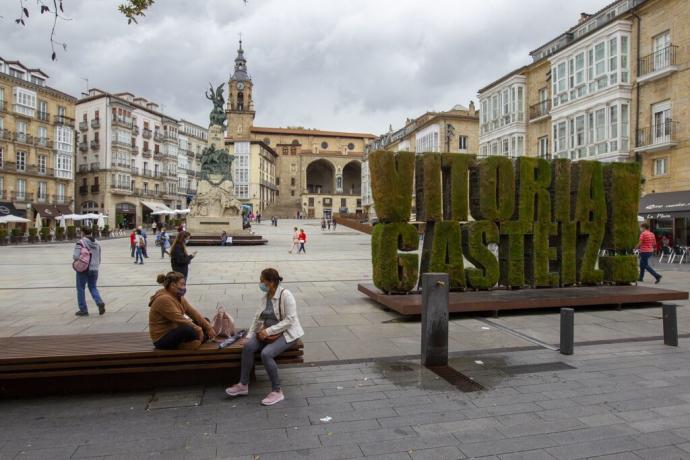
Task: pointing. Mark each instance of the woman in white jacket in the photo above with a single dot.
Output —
(274, 329)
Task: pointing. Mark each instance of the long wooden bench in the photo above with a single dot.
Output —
(113, 361)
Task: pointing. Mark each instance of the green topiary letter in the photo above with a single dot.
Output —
(391, 184)
(394, 272)
(456, 169)
(446, 253)
(492, 189)
(476, 236)
(512, 252)
(590, 214)
(428, 187)
(534, 180)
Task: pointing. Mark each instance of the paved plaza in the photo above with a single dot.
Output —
(614, 402)
(37, 297)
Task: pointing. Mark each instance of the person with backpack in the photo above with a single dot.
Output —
(139, 243)
(142, 232)
(274, 330)
(302, 239)
(164, 241)
(86, 260)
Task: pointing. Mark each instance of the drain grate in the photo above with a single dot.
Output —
(536, 368)
(457, 379)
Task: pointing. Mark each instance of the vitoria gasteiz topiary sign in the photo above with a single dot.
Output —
(549, 220)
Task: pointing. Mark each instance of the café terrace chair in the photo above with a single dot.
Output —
(680, 252)
(666, 252)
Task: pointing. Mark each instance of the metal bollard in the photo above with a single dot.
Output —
(670, 325)
(567, 331)
(435, 319)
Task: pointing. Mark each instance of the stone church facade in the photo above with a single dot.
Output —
(283, 171)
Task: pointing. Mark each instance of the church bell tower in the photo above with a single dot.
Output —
(240, 106)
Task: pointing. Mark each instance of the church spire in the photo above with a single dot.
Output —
(240, 73)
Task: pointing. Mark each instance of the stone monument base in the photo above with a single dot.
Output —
(214, 226)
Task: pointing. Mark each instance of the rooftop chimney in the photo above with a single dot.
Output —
(472, 111)
(584, 17)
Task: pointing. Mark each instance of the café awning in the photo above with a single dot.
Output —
(7, 208)
(665, 205)
(46, 210)
(156, 206)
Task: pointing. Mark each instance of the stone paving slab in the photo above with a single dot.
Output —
(385, 409)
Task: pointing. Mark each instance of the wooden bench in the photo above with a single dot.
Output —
(214, 240)
(113, 361)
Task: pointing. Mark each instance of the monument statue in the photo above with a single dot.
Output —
(217, 116)
(214, 208)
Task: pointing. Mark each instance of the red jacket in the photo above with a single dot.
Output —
(303, 236)
(132, 238)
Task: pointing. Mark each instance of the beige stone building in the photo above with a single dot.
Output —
(36, 145)
(614, 87)
(129, 161)
(283, 171)
(454, 131)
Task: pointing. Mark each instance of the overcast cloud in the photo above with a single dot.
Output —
(355, 65)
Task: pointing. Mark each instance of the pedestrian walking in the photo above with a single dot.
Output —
(302, 240)
(275, 328)
(334, 224)
(143, 249)
(258, 218)
(140, 243)
(295, 240)
(179, 257)
(133, 241)
(154, 226)
(164, 241)
(646, 247)
(87, 260)
(329, 223)
(323, 224)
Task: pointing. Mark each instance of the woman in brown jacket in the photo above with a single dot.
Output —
(173, 322)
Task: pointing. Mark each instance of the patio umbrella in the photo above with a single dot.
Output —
(101, 222)
(38, 221)
(8, 219)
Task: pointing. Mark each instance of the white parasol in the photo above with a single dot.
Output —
(8, 219)
(38, 221)
(101, 221)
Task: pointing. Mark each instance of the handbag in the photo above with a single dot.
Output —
(274, 337)
(223, 325)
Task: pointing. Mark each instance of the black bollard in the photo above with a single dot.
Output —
(670, 325)
(567, 331)
(435, 319)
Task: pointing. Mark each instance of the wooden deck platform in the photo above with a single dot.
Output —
(115, 361)
(524, 299)
(238, 240)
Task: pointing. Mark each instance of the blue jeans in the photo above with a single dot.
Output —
(89, 278)
(138, 252)
(644, 265)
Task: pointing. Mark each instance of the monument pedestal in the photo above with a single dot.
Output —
(214, 226)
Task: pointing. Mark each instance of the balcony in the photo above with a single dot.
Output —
(121, 165)
(539, 110)
(95, 144)
(83, 189)
(83, 168)
(121, 189)
(170, 137)
(94, 167)
(96, 123)
(95, 188)
(123, 122)
(43, 142)
(5, 135)
(147, 173)
(658, 64)
(146, 133)
(658, 137)
(43, 116)
(63, 120)
(21, 196)
(3, 106)
(121, 144)
(158, 136)
(83, 126)
(133, 170)
(83, 147)
(23, 138)
(146, 153)
(135, 130)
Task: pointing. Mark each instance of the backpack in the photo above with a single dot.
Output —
(223, 324)
(81, 265)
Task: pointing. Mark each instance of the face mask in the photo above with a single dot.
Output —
(263, 287)
(181, 292)
(186, 241)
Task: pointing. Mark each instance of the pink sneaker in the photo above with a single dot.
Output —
(274, 397)
(237, 390)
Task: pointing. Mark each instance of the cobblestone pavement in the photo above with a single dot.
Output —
(615, 401)
(37, 297)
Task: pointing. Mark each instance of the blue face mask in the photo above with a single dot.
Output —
(263, 287)
(181, 292)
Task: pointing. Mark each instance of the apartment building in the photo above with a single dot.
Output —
(614, 87)
(193, 139)
(128, 157)
(454, 131)
(36, 145)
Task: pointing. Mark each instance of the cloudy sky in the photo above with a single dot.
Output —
(355, 65)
